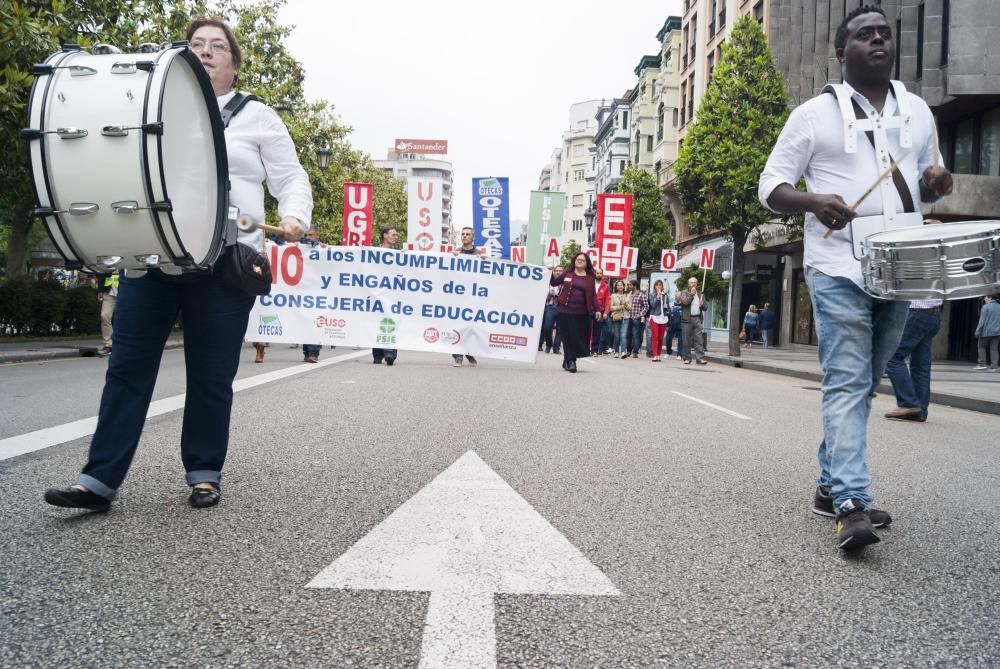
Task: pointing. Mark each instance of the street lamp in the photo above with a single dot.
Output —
(323, 152)
(588, 215)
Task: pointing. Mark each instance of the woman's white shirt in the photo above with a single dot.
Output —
(260, 149)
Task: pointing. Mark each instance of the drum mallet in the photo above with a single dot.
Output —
(247, 224)
(889, 170)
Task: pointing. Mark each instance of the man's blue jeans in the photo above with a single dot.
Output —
(913, 385)
(635, 334)
(857, 336)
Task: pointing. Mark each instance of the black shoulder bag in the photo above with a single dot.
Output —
(244, 268)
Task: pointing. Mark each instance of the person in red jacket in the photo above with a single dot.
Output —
(599, 327)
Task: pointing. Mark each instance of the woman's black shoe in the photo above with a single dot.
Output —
(202, 498)
(73, 498)
(571, 366)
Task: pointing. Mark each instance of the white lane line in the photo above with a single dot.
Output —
(714, 406)
(60, 434)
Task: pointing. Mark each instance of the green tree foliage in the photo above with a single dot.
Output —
(568, 253)
(711, 284)
(737, 124)
(30, 30)
(652, 230)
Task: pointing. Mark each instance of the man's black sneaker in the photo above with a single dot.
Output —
(854, 528)
(823, 506)
(73, 498)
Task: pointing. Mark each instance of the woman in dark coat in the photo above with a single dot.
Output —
(576, 303)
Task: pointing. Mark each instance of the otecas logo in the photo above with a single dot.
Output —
(508, 340)
(327, 322)
(432, 335)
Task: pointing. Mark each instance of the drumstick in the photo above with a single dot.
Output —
(889, 170)
(247, 224)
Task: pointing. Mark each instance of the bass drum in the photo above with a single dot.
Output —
(128, 159)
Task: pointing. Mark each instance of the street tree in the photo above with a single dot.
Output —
(737, 124)
(652, 230)
(570, 249)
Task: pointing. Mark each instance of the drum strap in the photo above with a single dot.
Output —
(897, 176)
(235, 104)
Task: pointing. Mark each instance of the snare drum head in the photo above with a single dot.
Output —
(944, 231)
(189, 160)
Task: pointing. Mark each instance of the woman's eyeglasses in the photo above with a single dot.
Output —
(216, 45)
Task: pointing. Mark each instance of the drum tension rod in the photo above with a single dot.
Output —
(29, 134)
(122, 130)
(43, 69)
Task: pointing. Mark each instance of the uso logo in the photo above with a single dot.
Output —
(508, 340)
(431, 335)
(327, 322)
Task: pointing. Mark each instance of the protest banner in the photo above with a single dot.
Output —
(424, 212)
(545, 214)
(491, 215)
(358, 200)
(368, 296)
(614, 232)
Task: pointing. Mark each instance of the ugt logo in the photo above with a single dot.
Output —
(386, 331)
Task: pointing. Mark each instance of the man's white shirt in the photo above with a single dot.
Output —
(811, 145)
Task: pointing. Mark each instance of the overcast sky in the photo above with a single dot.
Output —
(495, 80)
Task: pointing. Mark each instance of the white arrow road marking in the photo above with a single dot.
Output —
(714, 406)
(59, 434)
(464, 537)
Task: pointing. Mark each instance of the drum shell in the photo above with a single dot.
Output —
(177, 179)
(946, 266)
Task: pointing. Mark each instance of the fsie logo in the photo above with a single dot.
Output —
(386, 331)
(269, 326)
(490, 187)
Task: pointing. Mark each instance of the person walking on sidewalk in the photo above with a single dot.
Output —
(912, 385)
(659, 317)
(577, 306)
(637, 312)
(751, 321)
(107, 295)
(824, 141)
(767, 323)
(468, 247)
(988, 333)
(389, 238)
(692, 303)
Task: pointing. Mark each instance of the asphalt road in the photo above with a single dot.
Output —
(697, 514)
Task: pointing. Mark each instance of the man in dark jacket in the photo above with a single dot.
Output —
(766, 323)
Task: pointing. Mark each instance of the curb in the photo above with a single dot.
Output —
(63, 353)
(944, 399)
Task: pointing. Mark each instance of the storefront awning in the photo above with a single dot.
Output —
(693, 257)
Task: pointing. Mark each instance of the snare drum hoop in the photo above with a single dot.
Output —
(153, 146)
(935, 235)
(38, 167)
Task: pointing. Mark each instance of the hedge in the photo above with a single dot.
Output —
(30, 307)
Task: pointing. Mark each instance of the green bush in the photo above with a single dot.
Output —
(83, 311)
(48, 302)
(15, 305)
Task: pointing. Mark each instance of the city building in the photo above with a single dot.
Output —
(667, 146)
(611, 143)
(404, 165)
(643, 102)
(575, 165)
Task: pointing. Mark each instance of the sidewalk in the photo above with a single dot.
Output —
(953, 384)
(31, 350)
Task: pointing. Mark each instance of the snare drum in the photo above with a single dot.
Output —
(947, 261)
(128, 159)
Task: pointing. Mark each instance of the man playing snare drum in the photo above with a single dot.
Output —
(841, 141)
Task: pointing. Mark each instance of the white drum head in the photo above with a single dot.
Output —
(937, 231)
(188, 154)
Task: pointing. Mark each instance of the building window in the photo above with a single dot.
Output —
(945, 19)
(722, 18)
(920, 41)
(578, 200)
(624, 120)
(711, 21)
(649, 142)
(989, 151)
(965, 135)
(621, 167)
(694, 36)
(758, 12)
(675, 118)
(659, 122)
(577, 224)
(578, 175)
(711, 64)
(578, 149)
